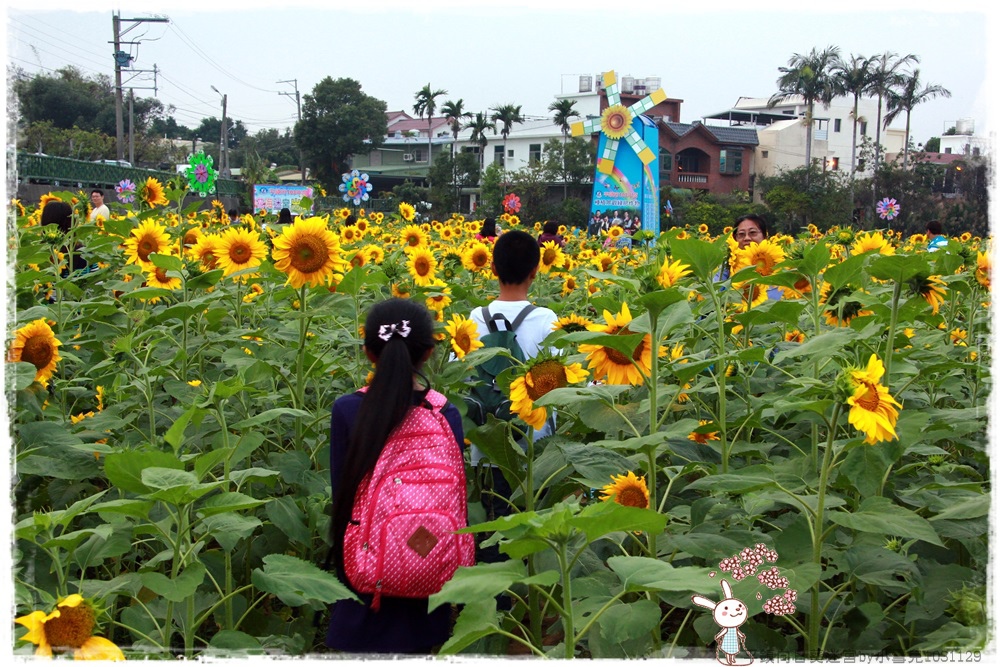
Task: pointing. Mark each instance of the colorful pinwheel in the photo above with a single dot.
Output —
(511, 203)
(126, 191)
(355, 187)
(887, 209)
(201, 174)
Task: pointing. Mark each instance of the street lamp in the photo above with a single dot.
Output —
(223, 143)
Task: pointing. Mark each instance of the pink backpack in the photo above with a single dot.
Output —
(401, 539)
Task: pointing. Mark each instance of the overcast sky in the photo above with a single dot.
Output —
(488, 53)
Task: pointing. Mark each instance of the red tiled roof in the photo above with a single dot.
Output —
(940, 158)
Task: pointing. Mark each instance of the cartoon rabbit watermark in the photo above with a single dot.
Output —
(729, 614)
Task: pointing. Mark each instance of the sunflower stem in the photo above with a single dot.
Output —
(300, 380)
(814, 613)
(893, 320)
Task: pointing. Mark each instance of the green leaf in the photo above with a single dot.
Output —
(270, 415)
(175, 486)
(971, 508)
(477, 619)
(624, 343)
(825, 345)
(746, 479)
(599, 519)
(205, 280)
(624, 622)
(880, 515)
(127, 506)
(147, 293)
(69, 541)
(358, 278)
(167, 262)
(639, 573)
(289, 519)
(477, 583)
(179, 588)
(229, 528)
(297, 582)
(175, 434)
(844, 272)
(234, 641)
(24, 374)
(124, 469)
(228, 501)
(864, 468)
(704, 258)
(898, 268)
(815, 260)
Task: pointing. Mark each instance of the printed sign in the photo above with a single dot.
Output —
(273, 198)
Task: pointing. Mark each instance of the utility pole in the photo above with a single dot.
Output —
(123, 59)
(223, 139)
(131, 131)
(298, 105)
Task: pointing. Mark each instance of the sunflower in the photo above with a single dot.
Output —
(840, 312)
(422, 266)
(671, 273)
(240, 249)
(158, 278)
(308, 252)
(255, 291)
(931, 288)
(350, 235)
(464, 335)
(544, 375)
(413, 236)
(69, 626)
(794, 336)
(873, 409)
(872, 241)
(374, 254)
(764, 255)
(152, 192)
(610, 363)
(627, 490)
(192, 236)
(569, 284)
(703, 437)
(983, 269)
(614, 233)
(604, 262)
(753, 296)
(477, 257)
(551, 255)
(148, 238)
(572, 323)
(406, 211)
(206, 251)
(441, 296)
(35, 343)
(801, 287)
(958, 337)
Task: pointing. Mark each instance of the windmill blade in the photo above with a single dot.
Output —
(606, 160)
(639, 146)
(648, 102)
(611, 88)
(588, 126)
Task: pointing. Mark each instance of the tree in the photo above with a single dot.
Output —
(885, 76)
(907, 96)
(506, 115)
(852, 77)
(426, 104)
(479, 125)
(448, 176)
(811, 77)
(338, 121)
(933, 145)
(563, 111)
(454, 112)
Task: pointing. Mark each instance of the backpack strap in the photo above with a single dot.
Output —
(522, 315)
(492, 320)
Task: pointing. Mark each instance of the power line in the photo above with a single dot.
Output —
(38, 35)
(198, 50)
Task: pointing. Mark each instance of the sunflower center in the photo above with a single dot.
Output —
(38, 351)
(144, 247)
(209, 260)
(309, 255)
(631, 496)
(239, 252)
(413, 240)
(545, 377)
(870, 400)
(73, 627)
(463, 340)
(422, 267)
(549, 256)
(161, 275)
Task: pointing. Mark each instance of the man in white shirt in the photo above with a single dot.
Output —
(100, 210)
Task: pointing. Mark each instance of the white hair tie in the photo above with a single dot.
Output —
(402, 329)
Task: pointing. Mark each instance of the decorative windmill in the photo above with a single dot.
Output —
(616, 122)
(625, 181)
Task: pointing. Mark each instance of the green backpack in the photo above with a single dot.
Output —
(486, 397)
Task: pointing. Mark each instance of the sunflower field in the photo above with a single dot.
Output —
(812, 430)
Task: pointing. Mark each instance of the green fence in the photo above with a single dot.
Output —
(67, 172)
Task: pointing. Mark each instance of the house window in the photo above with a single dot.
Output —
(763, 154)
(534, 154)
(420, 155)
(498, 154)
(947, 150)
(833, 163)
(836, 125)
(864, 128)
(666, 161)
(730, 161)
(975, 152)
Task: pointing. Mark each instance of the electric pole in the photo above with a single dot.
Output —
(123, 59)
(298, 105)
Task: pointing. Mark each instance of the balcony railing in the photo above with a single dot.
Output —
(689, 178)
(80, 173)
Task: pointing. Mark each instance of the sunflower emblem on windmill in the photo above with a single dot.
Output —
(616, 124)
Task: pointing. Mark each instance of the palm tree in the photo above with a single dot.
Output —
(808, 76)
(852, 77)
(506, 115)
(563, 111)
(907, 96)
(425, 104)
(886, 76)
(479, 125)
(454, 112)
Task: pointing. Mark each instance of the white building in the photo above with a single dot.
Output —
(782, 135)
(964, 141)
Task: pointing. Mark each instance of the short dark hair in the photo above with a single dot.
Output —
(515, 256)
(233, 212)
(97, 191)
(57, 213)
(284, 216)
(350, 220)
(550, 227)
(755, 219)
(489, 227)
(934, 227)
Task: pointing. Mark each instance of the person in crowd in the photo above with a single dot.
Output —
(100, 209)
(748, 229)
(935, 238)
(488, 230)
(399, 339)
(284, 217)
(550, 232)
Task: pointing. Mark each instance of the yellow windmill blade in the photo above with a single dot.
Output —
(611, 88)
(606, 160)
(648, 102)
(639, 146)
(582, 127)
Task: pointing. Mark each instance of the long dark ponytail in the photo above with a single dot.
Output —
(398, 333)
